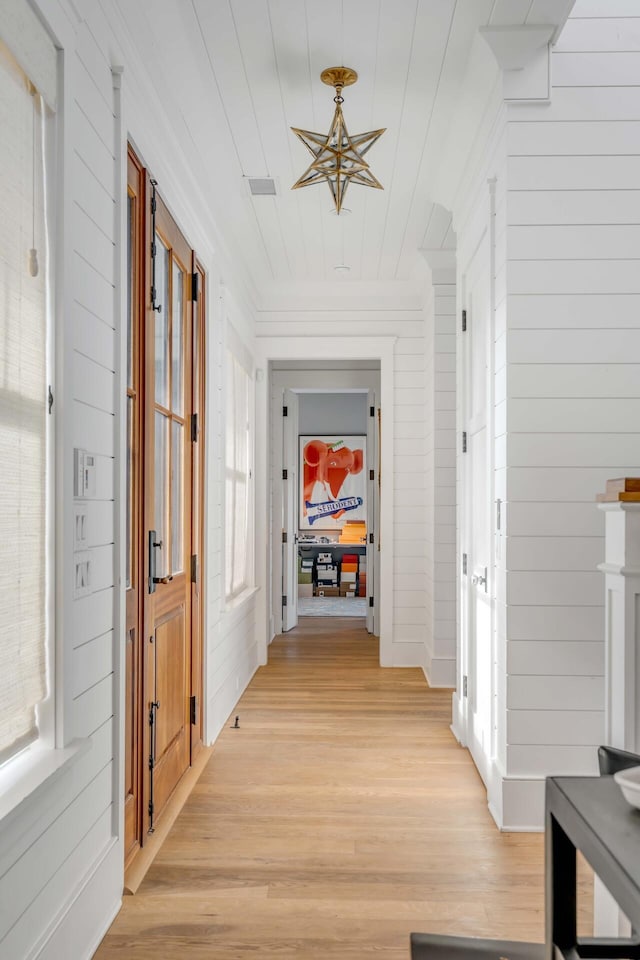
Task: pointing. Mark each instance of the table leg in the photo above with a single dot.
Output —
(560, 889)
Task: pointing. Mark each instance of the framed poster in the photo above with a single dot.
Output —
(332, 481)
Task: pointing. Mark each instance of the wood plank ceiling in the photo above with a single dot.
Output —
(235, 75)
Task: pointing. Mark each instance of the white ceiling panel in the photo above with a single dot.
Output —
(235, 75)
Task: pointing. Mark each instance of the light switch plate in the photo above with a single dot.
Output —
(80, 527)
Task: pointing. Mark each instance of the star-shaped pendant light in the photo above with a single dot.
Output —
(338, 157)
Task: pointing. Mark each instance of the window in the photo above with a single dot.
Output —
(25, 432)
(238, 499)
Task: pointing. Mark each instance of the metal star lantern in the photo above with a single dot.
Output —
(338, 158)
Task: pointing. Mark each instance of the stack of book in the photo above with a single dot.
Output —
(326, 575)
(305, 577)
(362, 578)
(349, 575)
(354, 531)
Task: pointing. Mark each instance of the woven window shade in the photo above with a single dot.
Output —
(23, 456)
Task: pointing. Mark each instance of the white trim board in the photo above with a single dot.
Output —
(325, 348)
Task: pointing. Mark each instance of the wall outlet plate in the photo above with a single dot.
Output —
(82, 564)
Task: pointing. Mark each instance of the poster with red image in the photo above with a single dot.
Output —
(332, 481)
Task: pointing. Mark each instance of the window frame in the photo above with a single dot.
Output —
(235, 352)
(21, 756)
(32, 778)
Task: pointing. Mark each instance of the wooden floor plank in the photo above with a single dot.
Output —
(339, 817)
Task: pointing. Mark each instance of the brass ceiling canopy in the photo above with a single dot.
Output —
(338, 157)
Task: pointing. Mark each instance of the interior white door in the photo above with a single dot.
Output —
(477, 467)
(290, 495)
(372, 488)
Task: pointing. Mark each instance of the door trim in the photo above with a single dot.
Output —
(323, 348)
(195, 530)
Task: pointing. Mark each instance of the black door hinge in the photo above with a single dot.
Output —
(464, 686)
(464, 563)
(194, 427)
(464, 321)
(370, 601)
(194, 568)
(284, 600)
(284, 536)
(195, 285)
(285, 474)
(372, 411)
(371, 538)
(464, 441)
(372, 475)
(285, 411)
(193, 703)
(50, 399)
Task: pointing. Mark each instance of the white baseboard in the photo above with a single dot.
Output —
(405, 653)
(457, 719)
(440, 671)
(515, 803)
(80, 926)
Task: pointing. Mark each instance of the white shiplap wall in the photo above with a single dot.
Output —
(573, 378)
(72, 847)
(231, 636)
(440, 387)
(411, 510)
(442, 669)
(61, 862)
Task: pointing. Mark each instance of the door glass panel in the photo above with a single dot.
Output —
(162, 324)
(177, 351)
(162, 492)
(130, 287)
(177, 498)
(129, 489)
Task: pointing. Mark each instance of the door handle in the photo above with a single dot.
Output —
(153, 546)
(480, 580)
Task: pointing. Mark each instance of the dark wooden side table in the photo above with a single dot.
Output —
(591, 815)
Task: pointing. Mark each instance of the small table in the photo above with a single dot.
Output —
(591, 815)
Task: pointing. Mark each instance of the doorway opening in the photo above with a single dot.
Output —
(325, 438)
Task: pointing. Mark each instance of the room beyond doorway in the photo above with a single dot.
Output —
(325, 421)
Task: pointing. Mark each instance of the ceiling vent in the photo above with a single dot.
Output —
(262, 186)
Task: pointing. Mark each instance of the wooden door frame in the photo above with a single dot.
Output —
(135, 170)
(198, 538)
(145, 332)
(158, 604)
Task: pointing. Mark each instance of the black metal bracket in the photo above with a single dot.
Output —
(154, 306)
(154, 706)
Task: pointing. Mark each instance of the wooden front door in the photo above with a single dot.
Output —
(164, 610)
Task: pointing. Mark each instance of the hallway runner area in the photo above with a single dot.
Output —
(332, 607)
(340, 816)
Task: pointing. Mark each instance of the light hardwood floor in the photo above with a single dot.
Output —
(341, 816)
